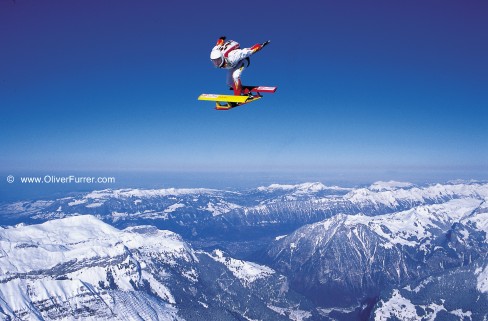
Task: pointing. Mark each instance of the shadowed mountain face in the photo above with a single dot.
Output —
(347, 258)
(455, 294)
(312, 252)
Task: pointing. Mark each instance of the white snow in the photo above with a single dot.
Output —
(118, 215)
(274, 187)
(77, 238)
(397, 306)
(77, 202)
(304, 188)
(299, 315)
(173, 207)
(389, 186)
(416, 194)
(482, 279)
(146, 193)
(462, 315)
(160, 289)
(401, 308)
(95, 204)
(411, 226)
(220, 207)
(420, 286)
(293, 314)
(480, 220)
(130, 306)
(203, 304)
(246, 272)
(77, 245)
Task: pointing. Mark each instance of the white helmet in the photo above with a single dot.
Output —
(217, 58)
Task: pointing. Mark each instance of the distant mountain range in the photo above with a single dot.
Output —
(280, 252)
(202, 213)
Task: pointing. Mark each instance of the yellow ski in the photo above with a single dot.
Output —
(223, 98)
(226, 102)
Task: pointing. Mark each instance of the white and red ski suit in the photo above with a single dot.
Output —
(235, 60)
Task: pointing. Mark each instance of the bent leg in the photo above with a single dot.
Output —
(230, 80)
(236, 76)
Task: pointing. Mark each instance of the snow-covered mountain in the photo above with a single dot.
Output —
(82, 268)
(351, 253)
(456, 294)
(203, 213)
(346, 261)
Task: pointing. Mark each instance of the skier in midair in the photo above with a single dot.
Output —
(229, 55)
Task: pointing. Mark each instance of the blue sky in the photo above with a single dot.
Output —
(393, 86)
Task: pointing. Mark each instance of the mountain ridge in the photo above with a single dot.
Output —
(200, 213)
(291, 252)
(80, 267)
(356, 257)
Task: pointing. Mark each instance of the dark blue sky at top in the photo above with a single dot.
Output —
(363, 85)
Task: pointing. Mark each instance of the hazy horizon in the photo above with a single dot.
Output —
(227, 180)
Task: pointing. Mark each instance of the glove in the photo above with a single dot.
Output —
(256, 47)
(221, 40)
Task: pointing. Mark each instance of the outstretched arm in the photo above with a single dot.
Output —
(247, 52)
(259, 46)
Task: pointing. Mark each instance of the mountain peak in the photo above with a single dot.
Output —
(70, 229)
(310, 187)
(146, 193)
(77, 239)
(381, 186)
